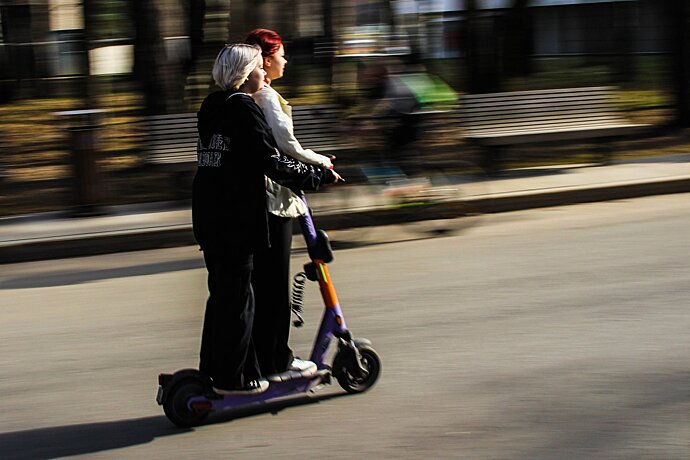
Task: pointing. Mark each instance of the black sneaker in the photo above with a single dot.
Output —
(253, 387)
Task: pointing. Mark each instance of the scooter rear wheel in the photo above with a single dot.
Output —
(176, 408)
(353, 380)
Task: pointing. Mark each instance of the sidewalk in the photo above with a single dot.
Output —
(156, 225)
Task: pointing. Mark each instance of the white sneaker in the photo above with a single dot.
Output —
(307, 368)
(298, 368)
(253, 387)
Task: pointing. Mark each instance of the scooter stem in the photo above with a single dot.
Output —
(333, 321)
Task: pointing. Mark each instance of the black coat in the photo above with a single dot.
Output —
(235, 150)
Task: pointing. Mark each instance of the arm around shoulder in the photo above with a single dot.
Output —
(283, 169)
(283, 130)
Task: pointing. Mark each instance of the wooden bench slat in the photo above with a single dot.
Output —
(536, 98)
(537, 121)
(174, 134)
(546, 118)
(545, 128)
(540, 114)
(533, 93)
(172, 151)
(176, 154)
(563, 106)
(519, 123)
(558, 135)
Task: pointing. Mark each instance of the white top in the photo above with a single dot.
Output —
(281, 201)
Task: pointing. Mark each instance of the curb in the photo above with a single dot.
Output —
(181, 235)
(587, 194)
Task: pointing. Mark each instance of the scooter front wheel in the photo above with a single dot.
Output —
(176, 407)
(356, 380)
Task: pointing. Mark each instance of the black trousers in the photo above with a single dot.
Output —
(271, 283)
(227, 352)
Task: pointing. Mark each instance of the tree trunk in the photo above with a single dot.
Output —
(481, 51)
(88, 89)
(679, 15)
(244, 17)
(19, 62)
(328, 40)
(196, 11)
(148, 54)
(517, 41)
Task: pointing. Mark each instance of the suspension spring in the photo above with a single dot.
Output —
(297, 301)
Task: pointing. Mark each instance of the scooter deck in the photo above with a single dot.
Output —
(276, 390)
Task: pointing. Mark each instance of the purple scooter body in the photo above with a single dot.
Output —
(187, 396)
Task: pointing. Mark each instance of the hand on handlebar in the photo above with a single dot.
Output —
(337, 177)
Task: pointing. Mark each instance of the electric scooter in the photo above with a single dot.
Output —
(187, 396)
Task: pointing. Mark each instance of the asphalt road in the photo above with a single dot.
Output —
(554, 333)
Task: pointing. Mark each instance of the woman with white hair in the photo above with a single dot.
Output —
(235, 150)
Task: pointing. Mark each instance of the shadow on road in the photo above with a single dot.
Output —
(68, 440)
(64, 278)
(365, 237)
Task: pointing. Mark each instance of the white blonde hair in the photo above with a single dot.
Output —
(234, 64)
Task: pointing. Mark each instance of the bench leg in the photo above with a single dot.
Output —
(491, 159)
(603, 151)
(182, 185)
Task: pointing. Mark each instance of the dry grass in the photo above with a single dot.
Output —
(36, 159)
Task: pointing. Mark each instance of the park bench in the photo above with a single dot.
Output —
(170, 140)
(498, 120)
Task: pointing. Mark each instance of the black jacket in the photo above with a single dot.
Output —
(235, 150)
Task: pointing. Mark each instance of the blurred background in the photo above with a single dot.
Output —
(81, 81)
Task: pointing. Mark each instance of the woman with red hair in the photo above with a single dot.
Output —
(271, 276)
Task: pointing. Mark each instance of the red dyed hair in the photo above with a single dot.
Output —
(268, 40)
